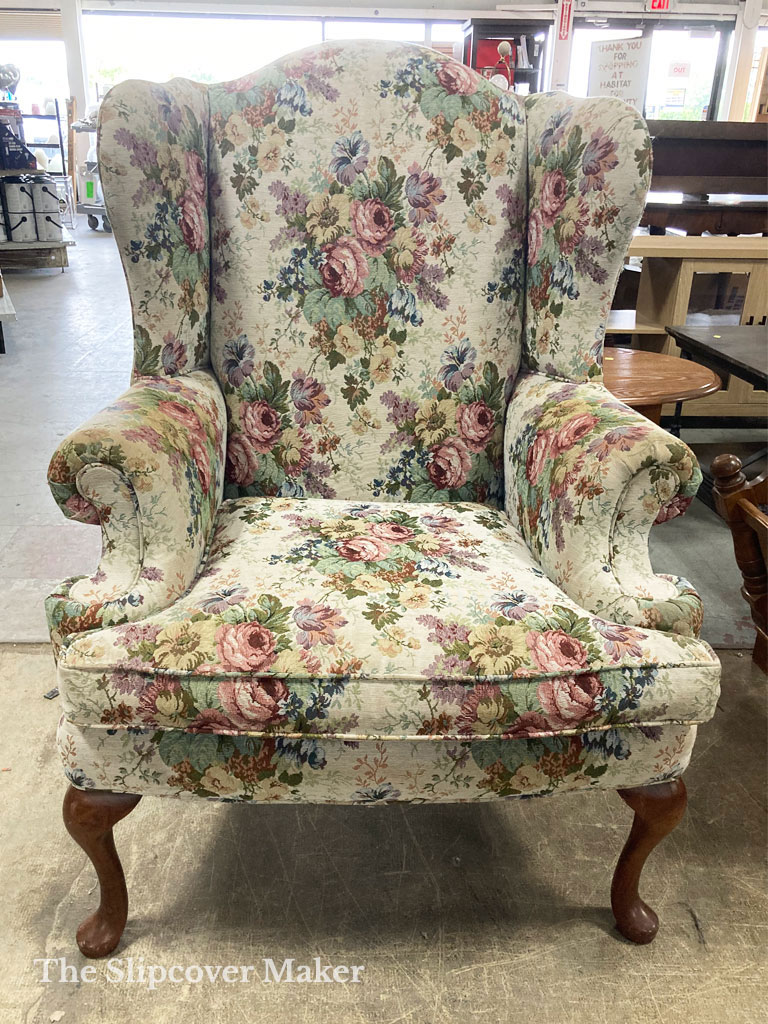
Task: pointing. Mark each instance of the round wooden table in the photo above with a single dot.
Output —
(647, 380)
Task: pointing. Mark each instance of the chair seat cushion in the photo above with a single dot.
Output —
(372, 620)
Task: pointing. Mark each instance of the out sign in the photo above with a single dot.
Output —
(659, 5)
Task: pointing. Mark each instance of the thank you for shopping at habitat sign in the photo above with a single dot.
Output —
(619, 67)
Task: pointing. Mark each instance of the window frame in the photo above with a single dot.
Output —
(647, 28)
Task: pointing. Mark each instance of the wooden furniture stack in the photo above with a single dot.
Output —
(744, 506)
(670, 263)
(708, 177)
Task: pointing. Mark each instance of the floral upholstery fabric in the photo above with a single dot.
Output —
(589, 168)
(367, 620)
(242, 767)
(317, 622)
(388, 598)
(150, 470)
(586, 479)
(368, 267)
(153, 161)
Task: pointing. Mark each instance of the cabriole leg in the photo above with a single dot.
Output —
(89, 816)
(657, 809)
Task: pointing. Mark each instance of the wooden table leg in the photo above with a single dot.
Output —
(651, 412)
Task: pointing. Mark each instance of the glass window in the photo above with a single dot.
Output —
(43, 67)
(761, 41)
(401, 31)
(447, 32)
(206, 49)
(681, 72)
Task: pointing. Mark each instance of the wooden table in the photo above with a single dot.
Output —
(718, 214)
(730, 351)
(740, 352)
(670, 265)
(646, 380)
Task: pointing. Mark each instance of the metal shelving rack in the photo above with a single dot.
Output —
(93, 210)
(49, 145)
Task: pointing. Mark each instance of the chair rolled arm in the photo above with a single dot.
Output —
(586, 478)
(150, 470)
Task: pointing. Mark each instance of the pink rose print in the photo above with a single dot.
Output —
(363, 549)
(246, 647)
(392, 532)
(530, 723)
(569, 699)
(241, 460)
(316, 624)
(211, 721)
(674, 507)
(199, 453)
(373, 224)
(187, 417)
(457, 79)
(476, 424)
(345, 267)
(195, 174)
(81, 511)
(574, 430)
(535, 236)
(554, 649)
(194, 221)
(537, 456)
(449, 463)
(261, 425)
(252, 702)
(554, 189)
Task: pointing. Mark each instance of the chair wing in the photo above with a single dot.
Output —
(589, 168)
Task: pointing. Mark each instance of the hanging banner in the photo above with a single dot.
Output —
(566, 19)
(619, 67)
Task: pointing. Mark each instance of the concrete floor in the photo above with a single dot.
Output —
(458, 913)
(68, 355)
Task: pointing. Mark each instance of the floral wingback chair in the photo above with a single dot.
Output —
(373, 529)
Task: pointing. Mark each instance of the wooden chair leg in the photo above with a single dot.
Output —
(657, 810)
(89, 816)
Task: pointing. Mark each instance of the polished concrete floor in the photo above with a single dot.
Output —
(458, 913)
(494, 913)
(68, 355)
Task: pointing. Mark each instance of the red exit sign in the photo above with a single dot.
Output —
(659, 5)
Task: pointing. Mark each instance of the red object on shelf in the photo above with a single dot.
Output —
(566, 19)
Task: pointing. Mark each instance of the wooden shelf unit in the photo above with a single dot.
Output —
(670, 263)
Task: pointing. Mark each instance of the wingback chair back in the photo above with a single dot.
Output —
(344, 240)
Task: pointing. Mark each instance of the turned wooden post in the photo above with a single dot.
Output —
(734, 497)
(89, 816)
(657, 810)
